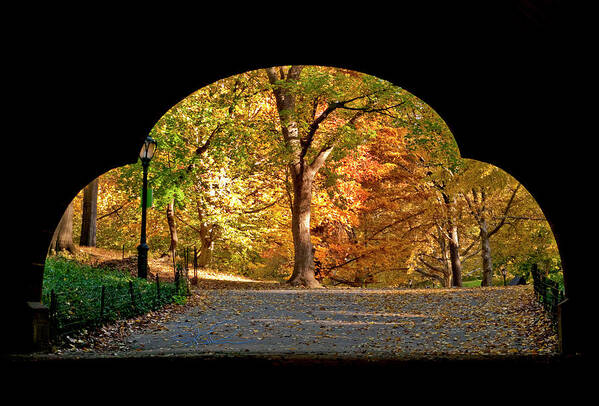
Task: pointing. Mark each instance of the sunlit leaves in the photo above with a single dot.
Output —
(223, 160)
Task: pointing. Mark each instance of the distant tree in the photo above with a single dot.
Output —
(89, 215)
(486, 199)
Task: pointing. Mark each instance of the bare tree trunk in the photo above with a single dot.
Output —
(486, 254)
(63, 235)
(454, 243)
(89, 214)
(447, 268)
(172, 226)
(454, 254)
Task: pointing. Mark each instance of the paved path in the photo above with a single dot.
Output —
(356, 322)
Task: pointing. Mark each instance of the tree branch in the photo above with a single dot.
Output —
(465, 252)
(202, 148)
(188, 225)
(345, 263)
(393, 224)
(343, 281)
(507, 209)
(431, 267)
(261, 208)
(314, 127)
(320, 159)
(466, 257)
(114, 211)
(521, 218)
(428, 275)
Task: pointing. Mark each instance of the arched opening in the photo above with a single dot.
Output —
(284, 166)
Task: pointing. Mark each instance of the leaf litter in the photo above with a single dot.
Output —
(385, 323)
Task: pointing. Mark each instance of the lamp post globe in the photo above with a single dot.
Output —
(145, 154)
(147, 149)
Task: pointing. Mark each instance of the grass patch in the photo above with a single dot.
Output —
(475, 283)
(78, 292)
(471, 284)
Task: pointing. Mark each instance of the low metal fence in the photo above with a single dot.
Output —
(95, 306)
(548, 293)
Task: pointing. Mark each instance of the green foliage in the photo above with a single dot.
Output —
(180, 299)
(78, 288)
(549, 266)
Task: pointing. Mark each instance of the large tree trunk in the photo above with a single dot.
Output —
(303, 269)
(89, 214)
(205, 254)
(454, 243)
(447, 280)
(486, 254)
(63, 235)
(302, 175)
(447, 275)
(172, 226)
(208, 234)
(454, 254)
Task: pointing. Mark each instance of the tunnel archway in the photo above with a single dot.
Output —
(521, 63)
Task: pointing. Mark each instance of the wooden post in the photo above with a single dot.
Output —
(123, 251)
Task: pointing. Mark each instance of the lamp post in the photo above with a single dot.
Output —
(146, 154)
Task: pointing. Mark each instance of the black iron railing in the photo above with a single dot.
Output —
(548, 293)
(105, 303)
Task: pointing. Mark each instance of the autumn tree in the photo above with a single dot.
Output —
(374, 223)
(318, 111)
(488, 185)
(509, 223)
(436, 261)
(526, 239)
(213, 177)
(435, 147)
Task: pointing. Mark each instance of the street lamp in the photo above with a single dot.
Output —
(146, 154)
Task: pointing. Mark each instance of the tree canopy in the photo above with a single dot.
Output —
(307, 170)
